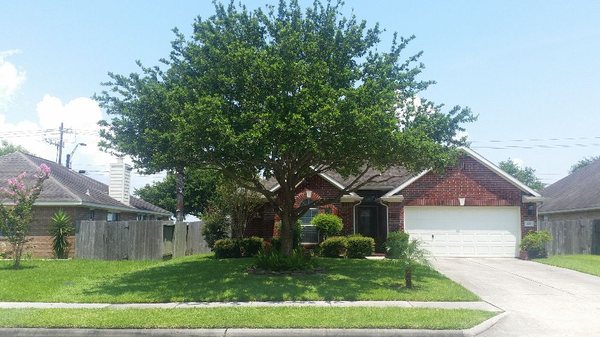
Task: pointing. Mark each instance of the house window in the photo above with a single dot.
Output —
(531, 210)
(310, 234)
(92, 215)
(110, 216)
(141, 217)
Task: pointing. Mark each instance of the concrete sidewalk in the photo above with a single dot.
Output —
(189, 305)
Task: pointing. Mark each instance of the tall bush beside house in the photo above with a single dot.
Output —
(534, 243)
(215, 227)
(61, 228)
(16, 214)
(327, 224)
(395, 245)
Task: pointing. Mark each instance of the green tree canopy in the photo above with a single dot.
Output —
(526, 175)
(6, 148)
(583, 163)
(286, 93)
(201, 185)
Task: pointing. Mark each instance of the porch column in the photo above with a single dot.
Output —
(348, 203)
(395, 212)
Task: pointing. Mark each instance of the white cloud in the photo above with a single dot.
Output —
(80, 117)
(10, 78)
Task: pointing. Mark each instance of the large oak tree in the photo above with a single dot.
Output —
(286, 93)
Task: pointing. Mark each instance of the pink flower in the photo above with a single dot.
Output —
(43, 171)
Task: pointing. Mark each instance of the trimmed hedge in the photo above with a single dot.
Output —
(227, 248)
(251, 246)
(234, 248)
(334, 246)
(359, 247)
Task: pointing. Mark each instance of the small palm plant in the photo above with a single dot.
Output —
(60, 230)
(414, 255)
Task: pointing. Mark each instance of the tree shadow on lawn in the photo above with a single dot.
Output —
(207, 279)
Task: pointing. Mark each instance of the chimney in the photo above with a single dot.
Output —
(120, 179)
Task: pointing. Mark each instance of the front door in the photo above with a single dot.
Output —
(366, 221)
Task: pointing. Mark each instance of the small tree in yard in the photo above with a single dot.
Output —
(239, 204)
(409, 254)
(413, 256)
(16, 216)
(60, 230)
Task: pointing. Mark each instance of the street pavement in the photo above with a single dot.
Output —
(539, 300)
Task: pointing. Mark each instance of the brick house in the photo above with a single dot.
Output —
(473, 209)
(81, 197)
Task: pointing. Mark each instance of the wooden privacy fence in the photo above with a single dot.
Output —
(138, 240)
(569, 236)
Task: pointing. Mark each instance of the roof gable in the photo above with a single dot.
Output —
(482, 161)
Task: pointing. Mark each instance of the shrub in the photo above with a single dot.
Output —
(327, 224)
(334, 246)
(251, 246)
(61, 228)
(360, 247)
(215, 227)
(396, 244)
(275, 261)
(535, 243)
(227, 248)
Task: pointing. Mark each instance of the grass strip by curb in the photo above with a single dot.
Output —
(258, 317)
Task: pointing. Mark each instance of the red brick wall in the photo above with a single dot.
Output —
(469, 179)
(321, 189)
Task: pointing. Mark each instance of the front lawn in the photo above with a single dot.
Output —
(589, 264)
(256, 317)
(203, 278)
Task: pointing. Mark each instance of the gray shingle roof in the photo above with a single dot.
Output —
(387, 180)
(67, 186)
(579, 190)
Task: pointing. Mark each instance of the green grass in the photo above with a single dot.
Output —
(203, 278)
(257, 317)
(589, 264)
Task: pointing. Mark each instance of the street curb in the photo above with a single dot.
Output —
(38, 332)
(485, 325)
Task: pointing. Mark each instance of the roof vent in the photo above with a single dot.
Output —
(120, 180)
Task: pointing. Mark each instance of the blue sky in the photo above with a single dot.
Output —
(529, 69)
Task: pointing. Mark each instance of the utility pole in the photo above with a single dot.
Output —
(60, 144)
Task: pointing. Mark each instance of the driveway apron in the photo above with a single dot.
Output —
(540, 300)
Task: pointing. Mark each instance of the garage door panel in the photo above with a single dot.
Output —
(465, 231)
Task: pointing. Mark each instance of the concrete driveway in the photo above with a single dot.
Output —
(540, 300)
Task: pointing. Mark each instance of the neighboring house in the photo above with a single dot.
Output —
(571, 212)
(473, 209)
(81, 197)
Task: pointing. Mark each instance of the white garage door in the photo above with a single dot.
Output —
(465, 231)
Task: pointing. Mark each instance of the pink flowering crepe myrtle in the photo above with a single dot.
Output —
(16, 217)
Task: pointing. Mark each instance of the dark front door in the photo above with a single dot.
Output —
(366, 221)
(596, 237)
